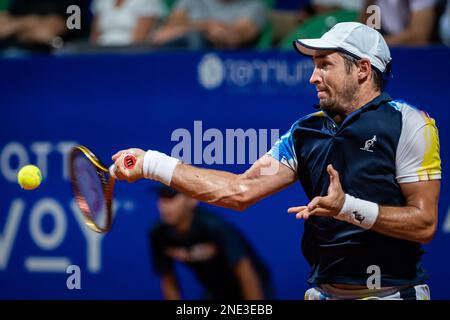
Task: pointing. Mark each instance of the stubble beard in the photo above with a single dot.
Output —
(346, 97)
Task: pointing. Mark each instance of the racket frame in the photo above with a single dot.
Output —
(107, 186)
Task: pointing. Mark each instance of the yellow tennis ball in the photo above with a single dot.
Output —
(29, 177)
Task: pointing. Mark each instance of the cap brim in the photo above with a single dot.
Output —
(310, 47)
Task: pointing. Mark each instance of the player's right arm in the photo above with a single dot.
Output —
(269, 174)
(235, 191)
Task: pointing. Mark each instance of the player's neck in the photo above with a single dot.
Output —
(366, 94)
(360, 100)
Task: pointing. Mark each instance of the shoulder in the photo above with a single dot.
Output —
(306, 121)
(284, 149)
(318, 115)
(412, 117)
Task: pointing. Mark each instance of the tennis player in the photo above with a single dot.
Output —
(369, 164)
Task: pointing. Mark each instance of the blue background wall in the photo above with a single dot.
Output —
(107, 103)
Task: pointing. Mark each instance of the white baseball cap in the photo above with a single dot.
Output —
(353, 38)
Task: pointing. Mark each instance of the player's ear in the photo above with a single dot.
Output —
(364, 69)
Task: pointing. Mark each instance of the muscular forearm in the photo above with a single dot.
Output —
(265, 177)
(216, 187)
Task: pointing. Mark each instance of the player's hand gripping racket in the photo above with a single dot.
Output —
(93, 187)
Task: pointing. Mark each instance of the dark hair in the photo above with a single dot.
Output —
(349, 61)
(378, 78)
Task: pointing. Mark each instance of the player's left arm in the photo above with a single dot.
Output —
(416, 221)
(418, 172)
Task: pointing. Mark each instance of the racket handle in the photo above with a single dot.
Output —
(129, 161)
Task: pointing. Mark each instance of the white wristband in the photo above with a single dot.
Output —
(159, 166)
(358, 212)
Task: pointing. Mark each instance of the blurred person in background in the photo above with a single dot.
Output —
(313, 19)
(222, 259)
(226, 24)
(405, 22)
(125, 22)
(35, 25)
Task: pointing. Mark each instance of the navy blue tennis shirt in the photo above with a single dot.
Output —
(375, 149)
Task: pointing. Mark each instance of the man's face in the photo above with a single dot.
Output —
(173, 210)
(336, 87)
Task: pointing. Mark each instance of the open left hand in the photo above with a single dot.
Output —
(329, 205)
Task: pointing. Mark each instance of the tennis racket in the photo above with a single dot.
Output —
(93, 187)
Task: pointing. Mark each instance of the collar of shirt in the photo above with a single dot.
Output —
(380, 99)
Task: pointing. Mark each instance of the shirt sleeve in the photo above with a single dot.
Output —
(283, 150)
(417, 157)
